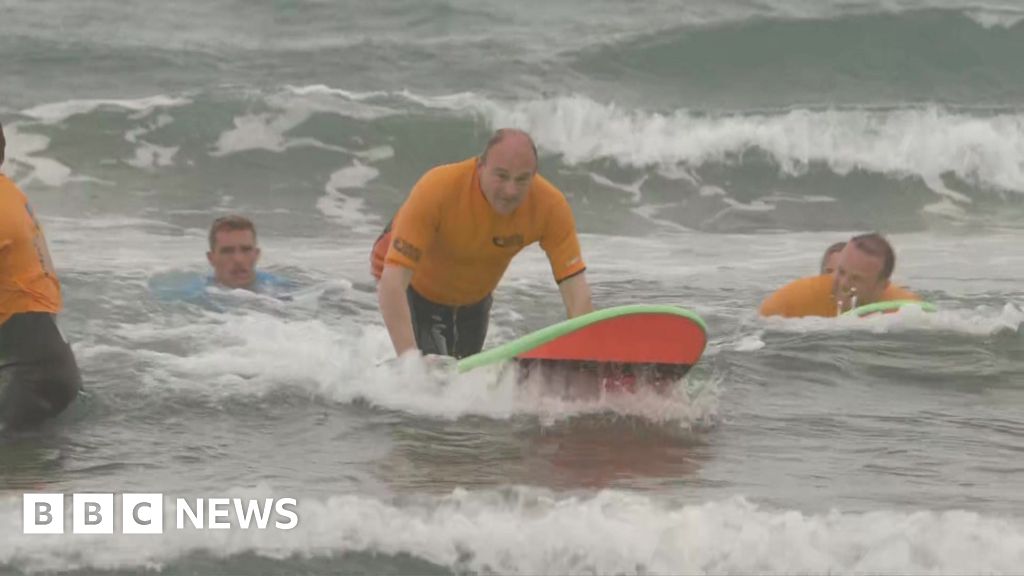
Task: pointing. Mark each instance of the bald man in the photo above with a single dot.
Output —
(449, 245)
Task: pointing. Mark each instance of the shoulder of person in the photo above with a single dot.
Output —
(895, 292)
(9, 191)
(545, 194)
(808, 284)
(271, 279)
(447, 173)
(446, 179)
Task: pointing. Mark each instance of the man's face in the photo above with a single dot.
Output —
(234, 258)
(506, 175)
(857, 273)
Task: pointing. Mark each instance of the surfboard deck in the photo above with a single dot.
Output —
(620, 348)
(888, 307)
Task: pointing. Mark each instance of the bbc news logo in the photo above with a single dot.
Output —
(144, 513)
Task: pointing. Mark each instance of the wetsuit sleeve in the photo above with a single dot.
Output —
(417, 222)
(559, 240)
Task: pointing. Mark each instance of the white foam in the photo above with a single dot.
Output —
(651, 212)
(323, 90)
(343, 208)
(57, 112)
(928, 142)
(254, 353)
(259, 132)
(376, 154)
(925, 142)
(987, 151)
(634, 189)
(149, 155)
(530, 531)
(319, 98)
(990, 18)
(290, 108)
(23, 147)
(983, 150)
(750, 343)
(983, 321)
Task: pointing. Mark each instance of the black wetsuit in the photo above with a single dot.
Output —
(457, 331)
(39, 377)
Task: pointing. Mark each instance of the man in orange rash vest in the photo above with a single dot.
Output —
(38, 373)
(861, 277)
(450, 243)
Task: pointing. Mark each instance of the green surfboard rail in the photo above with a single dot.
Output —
(887, 306)
(544, 335)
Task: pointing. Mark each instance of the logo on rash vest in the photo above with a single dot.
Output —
(406, 249)
(39, 242)
(515, 240)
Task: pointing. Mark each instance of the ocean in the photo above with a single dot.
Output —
(710, 149)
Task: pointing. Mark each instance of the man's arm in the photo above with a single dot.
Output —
(394, 306)
(562, 246)
(576, 295)
(412, 233)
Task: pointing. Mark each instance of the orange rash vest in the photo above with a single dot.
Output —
(457, 245)
(28, 282)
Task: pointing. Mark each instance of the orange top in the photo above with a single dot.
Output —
(812, 296)
(28, 282)
(457, 245)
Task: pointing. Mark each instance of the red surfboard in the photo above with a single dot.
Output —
(619, 347)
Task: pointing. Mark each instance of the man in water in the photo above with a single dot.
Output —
(233, 254)
(39, 377)
(453, 238)
(861, 277)
(831, 258)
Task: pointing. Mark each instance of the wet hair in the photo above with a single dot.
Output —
(876, 245)
(837, 247)
(3, 144)
(229, 224)
(499, 135)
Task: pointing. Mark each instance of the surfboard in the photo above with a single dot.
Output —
(618, 347)
(887, 307)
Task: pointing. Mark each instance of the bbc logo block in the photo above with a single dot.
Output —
(93, 513)
(142, 513)
(96, 513)
(43, 513)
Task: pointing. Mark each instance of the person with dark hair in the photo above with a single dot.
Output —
(448, 246)
(39, 377)
(862, 276)
(831, 257)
